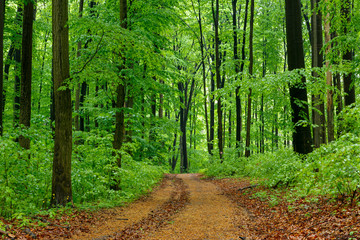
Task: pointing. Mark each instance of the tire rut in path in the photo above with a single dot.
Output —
(157, 218)
(209, 215)
(114, 220)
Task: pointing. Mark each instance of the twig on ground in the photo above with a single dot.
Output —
(251, 186)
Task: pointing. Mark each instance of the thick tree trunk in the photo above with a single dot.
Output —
(302, 141)
(26, 72)
(2, 19)
(61, 179)
(251, 64)
(349, 86)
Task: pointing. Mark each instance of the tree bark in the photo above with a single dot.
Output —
(349, 86)
(237, 71)
(218, 76)
(329, 81)
(238, 100)
(120, 101)
(17, 68)
(61, 179)
(318, 113)
(251, 64)
(302, 141)
(77, 92)
(26, 72)
(2, 19)
(202, 47)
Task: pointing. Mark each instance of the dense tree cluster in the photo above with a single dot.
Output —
(155, 81)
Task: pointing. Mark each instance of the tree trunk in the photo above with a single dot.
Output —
(329, 82)
(212, 112)
(17, 68)
(237, 71)
(349, 86)
(61, 178)
(77, 94)
(2, 19)
(302, 135)
(218, 75)
(26, 72)
(204, 78)
(120, 101)
(251, 64)
(81, 105)
(238, 100)
(317, 62)
(42, 70)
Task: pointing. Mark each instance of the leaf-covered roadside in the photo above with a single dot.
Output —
(275, 215)
(62, 225)
(59, 223)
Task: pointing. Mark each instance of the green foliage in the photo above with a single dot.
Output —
(333, 169)
(25, 183)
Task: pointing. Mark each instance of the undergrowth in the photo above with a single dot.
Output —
(25, 176)
(332, 169)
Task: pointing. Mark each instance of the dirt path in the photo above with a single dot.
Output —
(185, 207)
(209, 215)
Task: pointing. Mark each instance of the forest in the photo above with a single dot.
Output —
(100, 98)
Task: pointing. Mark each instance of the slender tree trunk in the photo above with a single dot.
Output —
(302, 141)
(161, 102)
(329, 82)
(61, 178)
(26, 72)
(202, 47)
(212, 112)
(81, 105)
(2, 19)
(218, 75)
(349, 86)
(238, 100)
(9, 58)
(183, 138)
(237, 71)
(251, 64)
(77, 94)
(17, 68)
(42, 70)
(318, 113)
(120, 102)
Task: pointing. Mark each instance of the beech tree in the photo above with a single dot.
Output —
(302, 142)
(251, 66)
(349, 86)
(61, 177)
(120, 100)
(26, 71)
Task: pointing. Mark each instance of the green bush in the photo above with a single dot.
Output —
(25, 176)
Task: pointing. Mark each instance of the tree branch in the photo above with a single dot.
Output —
(92, 57)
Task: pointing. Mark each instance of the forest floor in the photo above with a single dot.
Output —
(189, 207)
